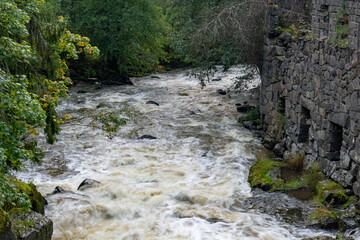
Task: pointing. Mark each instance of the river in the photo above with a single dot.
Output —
(181, 185)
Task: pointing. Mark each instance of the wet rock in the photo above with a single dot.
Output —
(332, 193)
(221, 92)
(243, 109)
(58, 190)
(30, 225)
(147, 137)
(152, 103)
(156, 77)
(82, 91)
(324, 219)
(182, 197)
(87, 183)
(216, 79)
(280, 205)
(38, 202)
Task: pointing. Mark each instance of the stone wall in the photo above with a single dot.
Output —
(327, 15)
(310, 93)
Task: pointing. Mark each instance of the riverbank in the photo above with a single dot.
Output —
(285, 187)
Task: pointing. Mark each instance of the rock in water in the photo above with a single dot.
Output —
(58, 190)
(147, 137)
(243, 108)
(153, 103)
(221, 92)
(216, 79)
(87, 183)
(30, 225)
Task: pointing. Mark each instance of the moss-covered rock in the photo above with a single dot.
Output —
(259, 174)
(5, 227)
(331, 193)
(30, 225)
(37, 200)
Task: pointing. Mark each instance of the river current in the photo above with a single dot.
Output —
(181, 185)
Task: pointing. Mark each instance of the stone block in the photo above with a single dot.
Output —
(340, 119)
(307, 103)
(343, 177)
(355, 156)
(356, 188)
(327, 167)
(345, 160)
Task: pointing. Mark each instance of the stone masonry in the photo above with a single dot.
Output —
(310, 91)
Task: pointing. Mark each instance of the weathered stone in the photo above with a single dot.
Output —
(328, 167)
(340, 119)
(5, 227)
(356, 188)
(343, 177)
(41, 227)
(344, 160)
(279, 51)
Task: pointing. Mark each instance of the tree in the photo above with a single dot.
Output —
(210, 32)
(34, 48)
(130, 34)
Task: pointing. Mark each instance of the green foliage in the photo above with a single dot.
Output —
(258, 176)
(296, 162)
(130, 34)
(253, 115)
(342, 28)
(34, 48)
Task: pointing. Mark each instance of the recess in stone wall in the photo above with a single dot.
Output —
(324, 21)
(305, 123)
(334, 141)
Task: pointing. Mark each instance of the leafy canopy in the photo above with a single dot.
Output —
(34, 48)
(130, 34)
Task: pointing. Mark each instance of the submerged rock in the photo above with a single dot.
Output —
(152, 103)
(147, 137)
(221, 92)
(59, 190)
(87, 183)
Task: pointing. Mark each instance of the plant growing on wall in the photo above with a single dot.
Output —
(342, 27)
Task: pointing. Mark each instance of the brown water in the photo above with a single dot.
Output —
(179, 186)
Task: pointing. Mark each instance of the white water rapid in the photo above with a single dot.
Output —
(179, 186)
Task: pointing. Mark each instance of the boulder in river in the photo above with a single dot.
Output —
(152, 103)
(58, 190)
(216, 79)
(87, 183)
(30, 225)
(147, 137)
(221, 92)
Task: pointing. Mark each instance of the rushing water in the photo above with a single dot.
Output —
(181, 185)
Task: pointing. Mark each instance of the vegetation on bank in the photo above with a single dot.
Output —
(39, 53)
(329, 198)
(35, 47)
